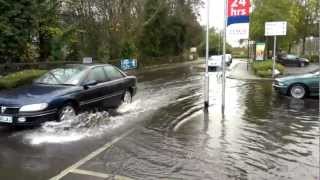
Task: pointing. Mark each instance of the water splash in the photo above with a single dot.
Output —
(74, 129)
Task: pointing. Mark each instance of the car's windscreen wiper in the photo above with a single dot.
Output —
(66, 84)
(41, 83)
(55, 77)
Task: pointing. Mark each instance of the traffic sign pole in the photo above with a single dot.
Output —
(224, 56)
(206, 78)
(319, 55)
(274, 56)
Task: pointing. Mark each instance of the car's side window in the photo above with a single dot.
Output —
(97, 74)
(113, 73)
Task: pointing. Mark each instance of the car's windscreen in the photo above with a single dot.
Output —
(63, 76)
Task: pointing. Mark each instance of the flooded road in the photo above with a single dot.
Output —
(261, 135)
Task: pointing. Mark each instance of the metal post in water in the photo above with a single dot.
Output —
(319, 55)
(248, 61)
(274, 56)
(206, 79)
(224, 57)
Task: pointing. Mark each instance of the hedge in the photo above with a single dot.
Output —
(264, 68)
(312, 58)
(20, 78)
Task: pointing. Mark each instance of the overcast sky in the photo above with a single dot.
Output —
(216, 14)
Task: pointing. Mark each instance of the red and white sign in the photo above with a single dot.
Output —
(238, 8)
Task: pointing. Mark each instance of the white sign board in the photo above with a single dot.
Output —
(235, 32)
(276, 28)
(193, 50)
(87, 60)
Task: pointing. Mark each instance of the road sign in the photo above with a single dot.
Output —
(87, 60)
(276, 28)
(260, 47)
(128, 64)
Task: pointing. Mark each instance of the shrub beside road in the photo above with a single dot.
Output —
(264, 68)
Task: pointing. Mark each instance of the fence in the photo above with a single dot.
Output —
(311, 46)
(143, 62)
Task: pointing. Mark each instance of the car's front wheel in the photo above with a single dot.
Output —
(127, 97)
(67, 112)
(298, 91)
(302, 64)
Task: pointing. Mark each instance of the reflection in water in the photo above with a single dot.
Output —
(260, 136)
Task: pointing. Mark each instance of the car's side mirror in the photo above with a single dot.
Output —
(90, 83)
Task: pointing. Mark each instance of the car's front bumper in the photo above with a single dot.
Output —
(282, 89)
(134, 90)
(31, 119)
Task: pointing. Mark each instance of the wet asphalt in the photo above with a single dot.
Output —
(261, 135)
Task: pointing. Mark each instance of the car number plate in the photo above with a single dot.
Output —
(6, 119)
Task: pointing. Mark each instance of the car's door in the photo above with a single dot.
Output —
(314, 84)
(292, 60)
(116, 86)
(94, 94)
(289, 60)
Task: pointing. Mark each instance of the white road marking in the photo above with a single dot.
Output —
(90, 173)
(91, 156)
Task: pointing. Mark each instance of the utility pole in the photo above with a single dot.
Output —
(206, 78)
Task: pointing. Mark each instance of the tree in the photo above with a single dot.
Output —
(17, 24)
(300, 15)
(102, 29)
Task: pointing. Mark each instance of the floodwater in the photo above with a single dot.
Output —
(261, 135)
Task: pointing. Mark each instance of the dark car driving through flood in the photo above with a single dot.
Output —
(63, 92)
(292, 60)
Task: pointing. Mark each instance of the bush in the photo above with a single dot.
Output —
(19, 78)
(264, 68)
(312, 58)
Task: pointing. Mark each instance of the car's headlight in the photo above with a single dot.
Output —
(281, 83)
(33, 107)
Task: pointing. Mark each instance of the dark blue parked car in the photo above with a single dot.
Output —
(62, 93)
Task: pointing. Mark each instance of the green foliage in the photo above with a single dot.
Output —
(312, 58)
(50, 30)
(19, 78)
(264, 68)
(240, 53)
(17, 22)
(168, 31)
(300, 15)
(215, 43)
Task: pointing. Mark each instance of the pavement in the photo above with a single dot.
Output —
(301, 70)
(240, 70)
